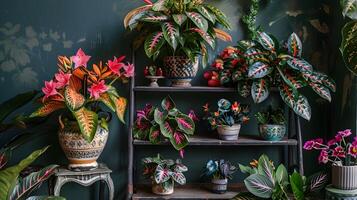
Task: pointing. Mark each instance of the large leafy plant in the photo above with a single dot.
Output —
(164, 171)
(219, 169)
(266, 181)
(81, 91)
(157, 125)
(178, 27)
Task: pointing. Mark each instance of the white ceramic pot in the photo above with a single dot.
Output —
(344, 177)
(180, 70)
(229, 132)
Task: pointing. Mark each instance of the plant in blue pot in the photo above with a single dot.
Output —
(219, 171)
(271, 124)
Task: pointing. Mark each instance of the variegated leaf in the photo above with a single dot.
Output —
(299, 64)
(74, 100)
(88, 122)
(287, 95)
(154, 135)
(198, 20)
(159, 5)
(120, 106)
(178, 140)
(294, 80)
(48, 108)
(206, 13)
(260, 90)
(302, 106)
(259, 70)
(259, 185)
(266, 168)
(266, 41)
(153, 43)
(320, 78)
(178, 177)
(167, 128)
(179, 18)
(167, 103)
(349, 46)
(185, 124)
(209, 39)
(244, 88)
(294, 45)
(349, 8)
(105, 98)
(170, 33)
(322, 91)
(220, 16)
(317, 182)
(254, 54)
(154, 17)
(159, 116)
(161, 175)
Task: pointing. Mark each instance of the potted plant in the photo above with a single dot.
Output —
(271, 124)
(179, 31)
(163, 174)
(153, 73)
(158, 125)
(219, 171)
(267, 182)
(80, 93)
(227, 119)
(342, 154)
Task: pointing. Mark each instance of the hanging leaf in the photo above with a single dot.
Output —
(260, 90)
(179, 18)
(161, 175)
(291, 78)
(185, 124)
(179, 177)
(154, 135)
(179, 140)
(220, 16)
(327, 81)
(294, 45)
(259, 70)
(153, 43)
(198, 20)
(207, 14)
(159, 116)
(88, 122)
(105, 98)
(349, 8)
(171, 33)
(48, 108)
(167, 103)
(74, 100)
(302, 107)
(167, 128)
(120, 106)
(287, 95)
(209, 39)
(322, 91)
(131, 18)
(266, 41)
(266, 168)
(259, 185)
(299, 64)
(349, 46)
(154, 17)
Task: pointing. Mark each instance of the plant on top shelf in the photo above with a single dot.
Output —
(179, 31)
(80, 93)
(227, 119)
(164, 173)
(156, 125)
(343, 156)
(220, 171)
(271, 124)
(266, 181)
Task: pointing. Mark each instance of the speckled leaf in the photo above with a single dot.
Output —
(294, 45)
(170, 33)
(349, 46)
(105, 98)
(299, 64)
(88, 122)
(206, 13)
(259, 70)
(255, 54)
(153, 43)
(198, 20)
(74, 100)
(179, 18)
(294, 80)
(266, 41)
(47, 108)
(287, 95)
(321, 91)
(302, 107)
(260, 90)
(120, 106)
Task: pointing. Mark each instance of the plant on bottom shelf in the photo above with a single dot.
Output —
(156, 125)
(164, 173)
(266, 181)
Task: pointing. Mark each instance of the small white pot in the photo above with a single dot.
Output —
(229, 132)
(344, 177)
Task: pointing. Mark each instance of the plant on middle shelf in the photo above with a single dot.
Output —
(163, 174)
(179, 31)
(156, 125)
(153, 73)
(342, 154)
(271, 124)
(266, 181)
(227, 119)
(219, 171)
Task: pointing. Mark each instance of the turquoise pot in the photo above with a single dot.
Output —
(272, 132)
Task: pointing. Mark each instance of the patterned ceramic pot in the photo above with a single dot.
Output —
(161, 190)
(180, 70)
(344, 177)
(272, 132)
(219, 186)
(81, 154)
(229, 132)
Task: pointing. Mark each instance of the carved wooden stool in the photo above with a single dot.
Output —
(85, 178)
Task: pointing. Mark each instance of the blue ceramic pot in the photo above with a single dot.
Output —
(272, 132)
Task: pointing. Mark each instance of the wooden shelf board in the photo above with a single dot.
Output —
(183, 89)
(193, 191)
(242, 141)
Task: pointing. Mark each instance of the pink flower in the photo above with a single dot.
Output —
(193, 115)
(116, 64)
(338, 138)
(354, 143)
(339, 152)
(49, 89)
(129, 70)
(62, 79)
(345, 133)
(148, 2)
(80, 59)
(318, 141)
(323, 157)
(97, 89)
(352, 150)
(182, 152)
(309, 145)
(331, 142)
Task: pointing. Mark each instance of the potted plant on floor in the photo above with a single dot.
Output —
(179, 31)
(163, 174)
(80, 93)
(219, 172)
(342, 154)
(227, 119)
(271, 124)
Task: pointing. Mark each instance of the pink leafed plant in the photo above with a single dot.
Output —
(338, 150)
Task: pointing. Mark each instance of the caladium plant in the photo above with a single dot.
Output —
(164, 171)
(178, 27)
(168, 123)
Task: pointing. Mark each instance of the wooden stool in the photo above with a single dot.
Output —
(85, 178)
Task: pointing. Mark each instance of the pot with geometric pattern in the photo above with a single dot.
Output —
(180, 70)
(272, 132)
(81, 154)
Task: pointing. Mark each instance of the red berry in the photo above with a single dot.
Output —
(214, 83)
(159, 72)
(146, 71)
(207, 75)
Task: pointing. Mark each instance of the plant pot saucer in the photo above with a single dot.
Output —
(153, 80)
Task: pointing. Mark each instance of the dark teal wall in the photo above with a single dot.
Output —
(34, 32)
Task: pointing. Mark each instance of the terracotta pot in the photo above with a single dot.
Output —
(229, 132)
(180, 70)
(272, 132)
(81, 154)
(219, 186)
(161, 190)
(344, 177)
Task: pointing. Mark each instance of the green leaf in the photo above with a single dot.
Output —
(178, 140)
(247, 169)
(207, 14)
(266, 41)
(171, 33)
(167, 103)
(159, 116)
(281, 174)
(349, 8)
(167, 128)
(206, 37)
(153, 43)
(297, 186)
(294, 45)
(322, 91)
(74, 100)
(179, 18)
(266, 168)
(259, 70)
(8, 176)
(87, 122)
(105, 98)
(349, 46)
(221, 17)
(299, 64)
(154, 135)
(185, 124)
(260, 90)
(259, 185)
